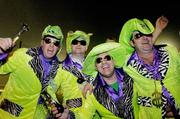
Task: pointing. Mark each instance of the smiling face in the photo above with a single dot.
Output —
(105, 65)
(50, 47)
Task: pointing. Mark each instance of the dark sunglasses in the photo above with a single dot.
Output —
(75, 42)
(48, 41)
(138, 35)
(100, 59)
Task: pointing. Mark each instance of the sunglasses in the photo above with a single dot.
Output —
(55, 42)
(100, 59)
(75, 42)
(139, 35)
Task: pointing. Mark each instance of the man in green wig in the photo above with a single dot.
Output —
(112, 93)
(154, 69)
(32, 73)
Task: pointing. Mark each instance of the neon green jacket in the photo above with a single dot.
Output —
(91, 106)
(144, 87)
(23, 87)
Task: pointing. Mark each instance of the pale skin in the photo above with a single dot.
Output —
(161, 23)
(63, 115)
(49, 50)
(5, 44)
(106, 69)
(144, 48)
(78, 51)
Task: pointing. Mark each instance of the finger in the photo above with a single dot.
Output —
(58, 115)
(84, 93)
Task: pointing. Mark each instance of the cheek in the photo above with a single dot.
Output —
(72, 47)
(56, 49)
(98, 67)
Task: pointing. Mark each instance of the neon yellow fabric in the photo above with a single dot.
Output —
(23, 87)
(73, 35)
(144, 26)
(115, 51)
(145, 87)
(91, 106)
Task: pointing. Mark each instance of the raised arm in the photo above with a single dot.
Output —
(161, 24)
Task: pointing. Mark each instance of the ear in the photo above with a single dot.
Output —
(132, 43)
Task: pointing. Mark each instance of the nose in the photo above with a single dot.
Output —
(51, 44)
(104, 61)
(78, 43)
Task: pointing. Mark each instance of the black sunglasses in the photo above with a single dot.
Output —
(48, 41)
(100, 59)
(138, 35)
(75, 42)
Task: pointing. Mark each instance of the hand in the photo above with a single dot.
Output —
(6, 44)
(87, 87)
(161, 23)
(59, 115)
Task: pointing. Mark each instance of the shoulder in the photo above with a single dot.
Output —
(64, 72)
(21, 50)
(18, 53)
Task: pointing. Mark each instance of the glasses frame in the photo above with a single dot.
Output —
(55, 42)
(105, 58)
(139, 35)
(82, 42)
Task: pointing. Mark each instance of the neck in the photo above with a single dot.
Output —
(147, 58)
(78, 56)
(111, 79)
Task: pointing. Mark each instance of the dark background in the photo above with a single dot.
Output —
(102, 18)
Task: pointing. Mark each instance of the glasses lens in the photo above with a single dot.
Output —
(107, 57)
(98, 60)
(56, 43)
(83, 42)
(136, 36)
(47, 40)
(74, 42)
